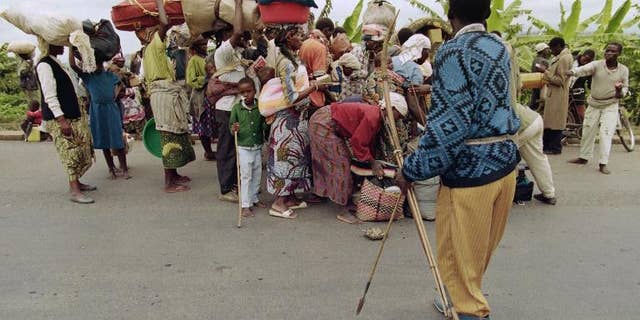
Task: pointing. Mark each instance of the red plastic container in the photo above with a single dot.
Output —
(129, 15)
(284, 12)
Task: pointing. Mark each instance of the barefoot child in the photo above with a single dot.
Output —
(251, 127)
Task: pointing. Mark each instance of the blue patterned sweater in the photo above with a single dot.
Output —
(470, 100)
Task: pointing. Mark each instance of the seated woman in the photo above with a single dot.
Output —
(338, 133)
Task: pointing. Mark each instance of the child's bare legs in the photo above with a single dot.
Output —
(108, 158)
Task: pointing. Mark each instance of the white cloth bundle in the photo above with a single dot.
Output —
(58, 29)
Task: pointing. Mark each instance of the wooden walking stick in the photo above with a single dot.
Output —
(390, 126)
(375, 264)
(235, 138)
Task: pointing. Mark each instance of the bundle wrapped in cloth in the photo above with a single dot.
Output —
(379, 12)
(132, 15)
(272, 99)
(54, 29)
(285, 12)
(205, 15)
(21, 47)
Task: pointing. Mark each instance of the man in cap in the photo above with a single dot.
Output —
(540, 64)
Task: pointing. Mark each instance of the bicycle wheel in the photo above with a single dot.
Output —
(625, 132)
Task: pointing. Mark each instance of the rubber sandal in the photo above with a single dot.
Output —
(81, 199)
(301, 205)
(87, 187)
(346, 220)
(177, 189)
(288, 214)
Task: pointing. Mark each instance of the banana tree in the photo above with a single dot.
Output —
(352, 24)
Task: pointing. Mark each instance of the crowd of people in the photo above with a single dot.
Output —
(312, 102)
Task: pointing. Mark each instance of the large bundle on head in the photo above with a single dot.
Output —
(285, 12)
(379, 12)
(58, 29)
(104, 39)
(21, 47)
(132, 15)
(203, 15)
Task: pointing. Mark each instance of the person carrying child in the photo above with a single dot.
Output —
(251, 129)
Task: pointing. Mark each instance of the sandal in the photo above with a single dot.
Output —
(176, 189)
(301, 205)
(350, 219)
(287, 214)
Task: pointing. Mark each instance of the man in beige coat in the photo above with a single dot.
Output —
(556, 98)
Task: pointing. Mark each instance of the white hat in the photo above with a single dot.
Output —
(541, 47)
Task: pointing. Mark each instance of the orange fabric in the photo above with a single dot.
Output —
(314, 56)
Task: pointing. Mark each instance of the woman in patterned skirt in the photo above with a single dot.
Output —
(288, 168)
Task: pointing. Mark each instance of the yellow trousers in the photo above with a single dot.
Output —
(470, 223)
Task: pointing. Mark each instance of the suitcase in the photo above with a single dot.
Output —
(284, 13)
(131, 15)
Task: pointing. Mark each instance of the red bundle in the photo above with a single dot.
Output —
(132, 15)
(284, 12)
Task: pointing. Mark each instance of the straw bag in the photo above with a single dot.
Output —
(379, 204)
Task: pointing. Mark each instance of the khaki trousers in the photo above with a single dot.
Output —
(603, 120)
(470, 223)
(529, 143)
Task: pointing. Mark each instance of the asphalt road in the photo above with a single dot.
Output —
(141, 254)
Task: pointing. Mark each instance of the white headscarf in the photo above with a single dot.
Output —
(350, 61)
(412, 48)
(398, 102)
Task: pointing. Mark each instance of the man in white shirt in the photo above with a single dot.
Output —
(228, 61)
(610, 82)
(66, 122)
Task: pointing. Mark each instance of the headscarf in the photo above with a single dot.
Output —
(341, 44)
(350, 61)
(398, 102)
(318, 35)
(412, 48)
(377, 32)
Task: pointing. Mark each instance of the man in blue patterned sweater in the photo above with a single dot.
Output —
(468, 144)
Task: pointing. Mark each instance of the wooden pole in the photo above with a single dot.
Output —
(450, 312)
(235, 138)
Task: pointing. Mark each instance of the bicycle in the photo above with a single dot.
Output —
(624, 130)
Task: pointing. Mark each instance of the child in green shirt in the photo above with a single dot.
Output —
(250, 127)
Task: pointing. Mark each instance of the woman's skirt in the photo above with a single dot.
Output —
(205, 126)
(330, 159)
(288, 167)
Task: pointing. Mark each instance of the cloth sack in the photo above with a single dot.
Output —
(104, 39)
(279, 13)
(272, 99)
(379, 12)
(55, 29)
(202, 15)
(379, 204)
(21, 47)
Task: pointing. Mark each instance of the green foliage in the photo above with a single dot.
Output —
(352, 24)
(12, 109)
(9, 82)
(13, 103)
